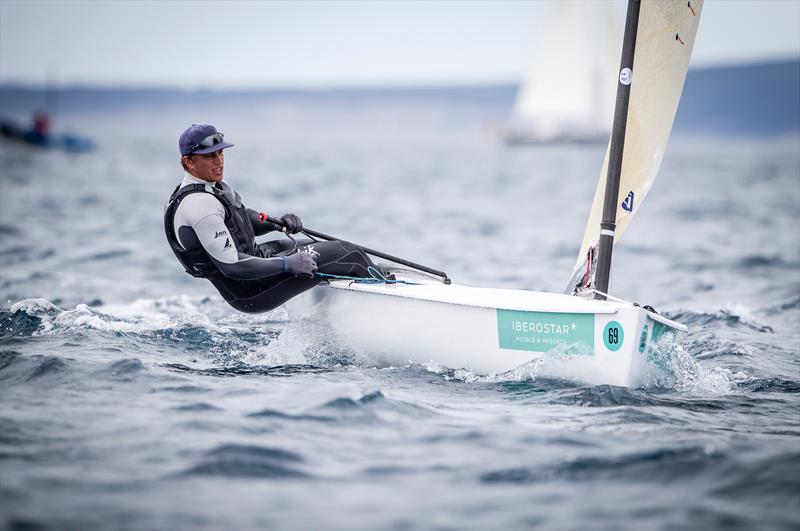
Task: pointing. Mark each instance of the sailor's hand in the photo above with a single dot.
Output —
(293, 223)
(300, 264)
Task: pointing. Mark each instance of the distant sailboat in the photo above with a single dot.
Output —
(569, 92)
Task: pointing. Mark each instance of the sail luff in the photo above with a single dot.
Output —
(616, 149)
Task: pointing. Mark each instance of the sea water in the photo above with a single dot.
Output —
(133, 397)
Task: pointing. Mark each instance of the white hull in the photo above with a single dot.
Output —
(497, 330)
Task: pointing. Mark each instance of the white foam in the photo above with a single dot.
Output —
(163, 313)
(680, 372)
(34, 306)
(304, 340)
(140, 316)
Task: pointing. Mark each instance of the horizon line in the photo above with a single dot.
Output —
(336, 86)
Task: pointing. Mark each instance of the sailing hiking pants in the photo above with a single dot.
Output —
(263, 295)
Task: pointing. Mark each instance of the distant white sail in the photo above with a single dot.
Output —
(569, 92)
(664, 41)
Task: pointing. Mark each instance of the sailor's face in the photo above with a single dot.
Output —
(208, 167)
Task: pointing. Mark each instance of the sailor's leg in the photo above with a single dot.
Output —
(340, 258)
(257, 296)
(278, 247)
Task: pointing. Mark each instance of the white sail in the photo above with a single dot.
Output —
(570, 90)
(664, 41)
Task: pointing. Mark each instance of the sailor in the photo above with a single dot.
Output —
(41, 124)
(213, 235)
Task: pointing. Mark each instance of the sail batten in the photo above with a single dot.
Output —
(664, 41)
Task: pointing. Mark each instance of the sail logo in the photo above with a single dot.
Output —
(544, 331)
(627, 204)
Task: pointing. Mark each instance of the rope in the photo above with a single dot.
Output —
(606, 295)
(376, 278)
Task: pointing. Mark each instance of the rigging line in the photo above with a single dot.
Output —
(610, 297)
(310, 236)
(364, 280)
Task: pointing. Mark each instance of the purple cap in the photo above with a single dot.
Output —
(196, 134)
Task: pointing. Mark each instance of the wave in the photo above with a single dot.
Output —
(791, 303)
(273, 414)
(179, 322)
(16, 368)
(9, 230)
(18, 254)
(246, 461)
(734, 316)
(197, 406)
(243, 369)
(50, 365)
(772, 479)
(663, 464)
(185, 389)
(350, 404)
(759, 260)
(103, 255)
(750, 264)
(772, 385)
(125, 369)
(25, 318)
(8, 357)
(46, 370)
(371, 407)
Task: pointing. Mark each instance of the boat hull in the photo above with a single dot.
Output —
(495, 331)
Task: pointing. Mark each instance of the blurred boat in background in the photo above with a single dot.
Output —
(38, 134)
(569, 92)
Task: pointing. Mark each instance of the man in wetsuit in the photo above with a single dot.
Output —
(213, 235)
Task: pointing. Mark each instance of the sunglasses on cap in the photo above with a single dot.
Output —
(209, 141)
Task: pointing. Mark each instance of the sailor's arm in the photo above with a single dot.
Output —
(293, 223)
(203, 215)
(260, 227)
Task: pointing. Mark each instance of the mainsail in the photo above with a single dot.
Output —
(568, 94)
(664, 41)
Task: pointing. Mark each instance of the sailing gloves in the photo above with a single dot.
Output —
(300, 264)
(261, 225)
(293, 223)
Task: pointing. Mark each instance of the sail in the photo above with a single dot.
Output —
(568, 93)
(664, 41)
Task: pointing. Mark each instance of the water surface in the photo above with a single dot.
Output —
(132, 397)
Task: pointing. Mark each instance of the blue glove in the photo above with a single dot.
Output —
(299, 264)
(293, 223)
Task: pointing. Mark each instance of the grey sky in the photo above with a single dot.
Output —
(329, 43)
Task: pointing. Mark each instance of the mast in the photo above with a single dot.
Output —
(616, 148)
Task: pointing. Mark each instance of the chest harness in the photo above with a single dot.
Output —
(196, 262)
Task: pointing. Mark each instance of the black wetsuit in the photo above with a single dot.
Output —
(213, 236)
